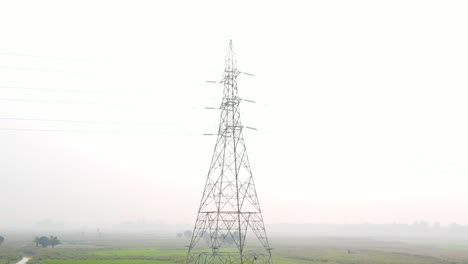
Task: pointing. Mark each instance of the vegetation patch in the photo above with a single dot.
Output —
(104, 261)
(140, 252)
(10, 256)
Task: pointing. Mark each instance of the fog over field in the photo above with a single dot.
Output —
(361, 110)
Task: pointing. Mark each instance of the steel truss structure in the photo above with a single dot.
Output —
(229, 226)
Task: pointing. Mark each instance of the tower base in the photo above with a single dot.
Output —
(228, 258)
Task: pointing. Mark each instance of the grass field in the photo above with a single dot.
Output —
(131, 249)
(107, 261)
(141, 252)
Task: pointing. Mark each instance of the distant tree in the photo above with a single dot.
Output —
(236, 237)
(36, 241)
(187, 233)
(228, 238)
(180, 235)
(205, 235)
(2, 239)
(44, 241)
(53, 241)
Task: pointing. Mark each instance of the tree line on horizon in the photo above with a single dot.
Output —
(44, 241)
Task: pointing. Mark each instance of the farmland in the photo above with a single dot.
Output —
(109, 261)
(134, 249)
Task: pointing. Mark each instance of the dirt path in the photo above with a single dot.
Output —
(23, 260)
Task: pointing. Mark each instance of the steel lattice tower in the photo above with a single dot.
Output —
(229, 226)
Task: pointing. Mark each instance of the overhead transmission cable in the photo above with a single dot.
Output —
(62, 90)
(36, 69)
(44, 57)
(99, 132)
(74, 121)
(58, 101)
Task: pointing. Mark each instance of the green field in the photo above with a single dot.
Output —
(141, 252)
(153, 249)
(107, 261)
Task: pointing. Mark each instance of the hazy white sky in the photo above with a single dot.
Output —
(361, 108)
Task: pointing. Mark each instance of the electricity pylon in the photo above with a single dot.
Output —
(229, 226)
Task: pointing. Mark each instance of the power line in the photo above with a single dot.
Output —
(88, 121)
(45, 57)
(35, 69)
(74, 121)
(60, 102)
(61, 90)
(80, 102)
(99, 132)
